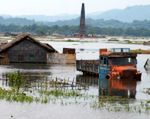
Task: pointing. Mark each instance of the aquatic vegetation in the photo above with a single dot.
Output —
(140, 51)
(45, 96)
(70, 40)
(50, 91)
(10, 95)
(61, 93)
(68, 97)
(128, 41)
(115, 104)
(15, 80)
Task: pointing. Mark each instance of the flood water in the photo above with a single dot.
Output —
(84, 50)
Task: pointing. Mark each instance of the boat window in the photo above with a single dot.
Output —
(101, 58)
(123, 61)
(105, 60)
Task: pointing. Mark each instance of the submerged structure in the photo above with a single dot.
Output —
(124, 88)
(118, 63)
(118, 75)
(146, 43)
(82, 22)
(116, 69)
(147, 64)
(25, 49)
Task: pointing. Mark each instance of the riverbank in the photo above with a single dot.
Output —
(140, 51)
(106, 39)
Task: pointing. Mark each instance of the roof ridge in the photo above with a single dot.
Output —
(21, 37)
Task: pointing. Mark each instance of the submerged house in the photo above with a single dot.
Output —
(146, 43)
(25, 49)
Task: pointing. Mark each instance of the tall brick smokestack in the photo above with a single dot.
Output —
(82, 22)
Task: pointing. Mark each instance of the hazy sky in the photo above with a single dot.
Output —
(55, 7)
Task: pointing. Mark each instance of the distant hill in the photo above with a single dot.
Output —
(7, 20)
(44, 18)
(128, 14)
(75, 22)
(135, 17)
(89, 22)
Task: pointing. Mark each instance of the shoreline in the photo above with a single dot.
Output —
(107, 39)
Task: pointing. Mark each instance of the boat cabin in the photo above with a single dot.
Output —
(118, 63)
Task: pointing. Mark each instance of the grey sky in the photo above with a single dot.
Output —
(55, 7)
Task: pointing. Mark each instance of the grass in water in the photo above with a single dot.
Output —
(115, 104)
(10, 95)
(61, 93)
(68, 96)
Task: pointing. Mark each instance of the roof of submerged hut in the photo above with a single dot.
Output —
(22, 37)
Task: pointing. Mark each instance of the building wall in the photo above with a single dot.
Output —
(27, 52)
(57, 58)
(4, 60)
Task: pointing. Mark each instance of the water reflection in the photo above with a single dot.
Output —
(148, 71)
(42, 81)
(30, 66)
(55, 70)
(34, 81)
(31, 79)
(125, 87)
(88, 80)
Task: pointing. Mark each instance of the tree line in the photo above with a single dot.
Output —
(71, 30)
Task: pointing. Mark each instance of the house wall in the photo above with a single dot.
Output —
(27, 52)
(4, 60)
(57, 58)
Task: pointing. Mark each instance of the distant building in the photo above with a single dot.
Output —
(146, 43)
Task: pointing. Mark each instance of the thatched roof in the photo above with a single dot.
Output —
(26, 37)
